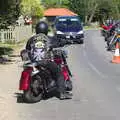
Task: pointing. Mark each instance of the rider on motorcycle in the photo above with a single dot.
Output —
(32, 45)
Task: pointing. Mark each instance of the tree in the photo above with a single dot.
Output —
(9, 12)
(116, 8)
(31, 8)
(108, 9)
(85, 8)
(55, 3)
(104, 11)
(96, 9)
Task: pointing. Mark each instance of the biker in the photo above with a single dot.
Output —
(42, 28)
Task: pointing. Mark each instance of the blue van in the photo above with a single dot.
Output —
(69, 27)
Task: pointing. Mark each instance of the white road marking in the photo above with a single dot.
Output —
(84, 100)
(99, 101)
(92, 66)
(118, 88)
(95, 69)
(84, 53)
(83, 45)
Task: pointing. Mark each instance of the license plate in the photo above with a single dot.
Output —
(67, 36)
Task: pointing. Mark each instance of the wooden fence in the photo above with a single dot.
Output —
(15, 34)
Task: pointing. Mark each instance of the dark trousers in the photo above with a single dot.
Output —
(55, 73)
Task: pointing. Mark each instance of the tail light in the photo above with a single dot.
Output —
(65, 73)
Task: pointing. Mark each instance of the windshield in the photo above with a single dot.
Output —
(68, 22)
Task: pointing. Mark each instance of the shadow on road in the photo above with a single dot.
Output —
(51, 95)
(19, 97)
(4, 53)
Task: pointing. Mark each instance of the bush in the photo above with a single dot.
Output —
(5, 51)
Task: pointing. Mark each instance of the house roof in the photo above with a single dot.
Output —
(59, 12)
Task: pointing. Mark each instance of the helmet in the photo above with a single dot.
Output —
(41, 27)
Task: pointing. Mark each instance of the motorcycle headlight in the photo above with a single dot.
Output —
(59, 32)
(80, 32)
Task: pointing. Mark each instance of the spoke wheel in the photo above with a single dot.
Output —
(35, 92)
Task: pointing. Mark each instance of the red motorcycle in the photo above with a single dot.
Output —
(109, 31)
(36, 81)
(106, 30)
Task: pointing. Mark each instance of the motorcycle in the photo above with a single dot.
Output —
(60, 59)
(36, 80)
(114, 39)
(107, 31)
(105, 28)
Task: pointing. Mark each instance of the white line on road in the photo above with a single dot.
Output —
(83, 45)
(118, 88)
(92, 66)
(84, 53)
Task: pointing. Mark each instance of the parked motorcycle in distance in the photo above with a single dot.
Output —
(111, 43)
(107, 31)
(36, 80)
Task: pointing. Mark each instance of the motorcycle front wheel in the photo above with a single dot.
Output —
(35, 92)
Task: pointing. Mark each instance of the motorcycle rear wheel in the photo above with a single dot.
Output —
(35, 92)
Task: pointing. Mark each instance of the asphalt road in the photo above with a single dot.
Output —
(96, 92)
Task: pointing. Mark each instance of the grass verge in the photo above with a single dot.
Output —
(8, 49)
(91, 27)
